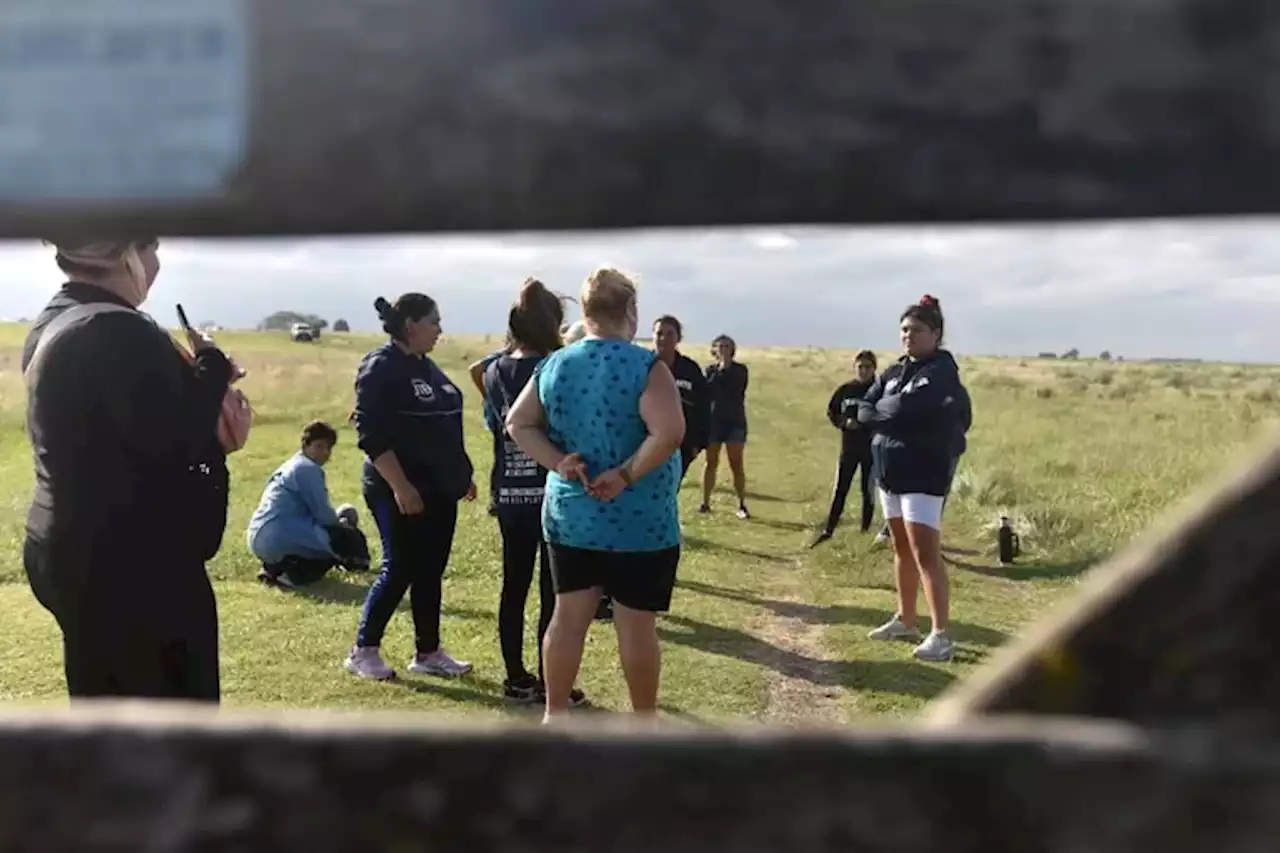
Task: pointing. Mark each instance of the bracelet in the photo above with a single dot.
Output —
(625, 473)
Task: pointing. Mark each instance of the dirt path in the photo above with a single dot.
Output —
(804, 684)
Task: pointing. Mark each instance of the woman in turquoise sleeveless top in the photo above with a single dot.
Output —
(604, 417)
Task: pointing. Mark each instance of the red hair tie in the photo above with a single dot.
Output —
(928, 300)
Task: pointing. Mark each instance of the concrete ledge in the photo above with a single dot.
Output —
(154, 779)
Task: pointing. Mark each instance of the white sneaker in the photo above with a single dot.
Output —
(368, 663)
(881, 538)
(894, 629)
(439, 663)
(936, 647)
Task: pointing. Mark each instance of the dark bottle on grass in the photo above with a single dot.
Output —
(1008, 540)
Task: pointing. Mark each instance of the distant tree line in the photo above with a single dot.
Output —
(1073, 354)
(282, 321)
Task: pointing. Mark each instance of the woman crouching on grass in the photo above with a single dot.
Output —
(914, 410)
(409, 423)
(534, 333)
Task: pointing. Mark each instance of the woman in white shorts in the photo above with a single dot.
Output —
(914, 410)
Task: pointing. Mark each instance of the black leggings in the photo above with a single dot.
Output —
(688, 453)
(415, 552)
(522, 548)
(851, 460)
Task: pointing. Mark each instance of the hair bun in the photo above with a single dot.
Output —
(382, 306)
(929, 300)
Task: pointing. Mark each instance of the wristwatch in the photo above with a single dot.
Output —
(625, 473)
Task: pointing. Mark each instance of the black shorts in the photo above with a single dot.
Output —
(640, 580)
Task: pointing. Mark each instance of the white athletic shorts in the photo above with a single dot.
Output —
(913, 509)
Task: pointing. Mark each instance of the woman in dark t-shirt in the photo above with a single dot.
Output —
(727, 382)
(519, 483)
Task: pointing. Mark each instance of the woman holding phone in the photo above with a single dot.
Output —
(124, 425)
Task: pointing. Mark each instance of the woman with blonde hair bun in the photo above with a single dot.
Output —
(604, 417)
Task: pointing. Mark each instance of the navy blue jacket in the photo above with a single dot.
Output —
(919, 412)
(405, 403)
(964, 411)
(728, 390)
(695, 397)
(855, 440)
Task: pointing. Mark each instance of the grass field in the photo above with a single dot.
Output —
(1082, 455)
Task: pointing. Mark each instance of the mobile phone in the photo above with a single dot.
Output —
(182, 318)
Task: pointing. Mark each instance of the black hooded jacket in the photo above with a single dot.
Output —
(918, 411)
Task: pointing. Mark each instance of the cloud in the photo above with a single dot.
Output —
(774, 241)
(1153, 288)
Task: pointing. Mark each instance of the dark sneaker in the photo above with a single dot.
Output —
(577, 698)
(742, 512)
(604, 612)
(704, 509)
(273, 576)
(526, 690)
(820, 538)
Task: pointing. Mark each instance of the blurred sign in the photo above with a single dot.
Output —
(111, 100)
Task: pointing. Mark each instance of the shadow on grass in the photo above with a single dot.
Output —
(334, 591)
(763, 498)
(682, 715)
(484, 692)
(725, 489)
(695, 543)
(907, 677)
(474, 691)
(841, 614)
(1027, 571)
(778, 524)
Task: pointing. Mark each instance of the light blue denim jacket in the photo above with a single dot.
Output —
(292, 516)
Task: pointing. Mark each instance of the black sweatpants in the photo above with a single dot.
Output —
(415, 552)
(523, 550)
(125, 640)
(854, 459)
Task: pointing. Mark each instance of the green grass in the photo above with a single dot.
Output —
(1082, 456)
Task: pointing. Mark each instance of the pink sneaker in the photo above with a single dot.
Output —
(367, 662)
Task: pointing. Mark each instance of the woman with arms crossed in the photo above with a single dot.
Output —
(914, 410)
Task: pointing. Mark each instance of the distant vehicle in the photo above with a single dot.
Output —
(303, 332)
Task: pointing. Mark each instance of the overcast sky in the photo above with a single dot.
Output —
(1204, 289)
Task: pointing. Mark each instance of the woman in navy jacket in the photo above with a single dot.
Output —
(915, 409)
(408, 419)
